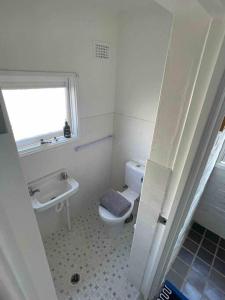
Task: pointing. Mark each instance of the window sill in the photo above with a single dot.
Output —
(39, 148)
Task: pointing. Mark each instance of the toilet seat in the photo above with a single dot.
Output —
(109, 218)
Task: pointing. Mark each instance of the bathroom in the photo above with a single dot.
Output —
(126, 77)
(107, 91)
(117, 97)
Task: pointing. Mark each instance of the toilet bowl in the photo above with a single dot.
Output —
(133, 178)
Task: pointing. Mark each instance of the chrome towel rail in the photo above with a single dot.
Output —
(77, 148)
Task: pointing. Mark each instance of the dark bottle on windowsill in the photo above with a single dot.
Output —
(67, 131)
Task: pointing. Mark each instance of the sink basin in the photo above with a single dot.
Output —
(52, 189)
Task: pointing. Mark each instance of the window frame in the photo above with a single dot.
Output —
(31, 79)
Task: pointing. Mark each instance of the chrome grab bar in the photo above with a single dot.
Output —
(77, 148)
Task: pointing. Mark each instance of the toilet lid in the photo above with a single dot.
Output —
(106, 214)
(130, 196)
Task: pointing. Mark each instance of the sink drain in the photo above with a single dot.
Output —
(75, 278)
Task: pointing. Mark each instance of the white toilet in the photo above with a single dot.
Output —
(134, 174)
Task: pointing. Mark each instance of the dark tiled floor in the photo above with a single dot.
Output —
(186, 256)
(199, 268)
(205, 255)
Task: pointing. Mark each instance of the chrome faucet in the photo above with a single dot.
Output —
(32, 192)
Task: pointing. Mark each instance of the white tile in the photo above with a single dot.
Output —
(155, 184)
(132, 141)
(101, 262)
(141, 61)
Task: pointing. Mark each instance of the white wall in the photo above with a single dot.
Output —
(190, 31)
(211, 209)
(187, 42)
(91, 167)
(142, 48)
(202, 99)
(59, 36)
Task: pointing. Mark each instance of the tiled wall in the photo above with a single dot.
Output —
(140, 66)
(210, 212)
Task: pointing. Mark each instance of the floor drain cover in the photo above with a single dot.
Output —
(75, 278)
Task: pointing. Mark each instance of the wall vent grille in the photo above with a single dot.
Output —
(102, 50)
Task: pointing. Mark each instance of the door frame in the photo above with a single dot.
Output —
(206, 142)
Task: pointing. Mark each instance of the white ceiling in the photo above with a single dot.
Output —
(122, 5)
(213, 7)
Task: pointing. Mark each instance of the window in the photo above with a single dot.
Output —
(38, 104)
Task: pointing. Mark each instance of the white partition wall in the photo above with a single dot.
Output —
(189, 32)
(202, 97)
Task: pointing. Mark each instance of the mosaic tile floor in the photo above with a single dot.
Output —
(101, 262)
(199, 269)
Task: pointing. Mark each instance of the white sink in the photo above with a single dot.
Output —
(52, 189)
